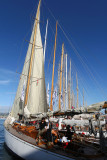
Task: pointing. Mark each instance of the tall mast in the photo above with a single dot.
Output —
(64, 82)
(70, 86)
(51, 106)
(61, 77)
(45, 39)
(86, 104)
(83, 97)
(77, 89)
(32, 53)
(72, 98)
(58, 79)
(48, 95)
(66, 85)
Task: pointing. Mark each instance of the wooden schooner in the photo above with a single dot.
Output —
(30, 105)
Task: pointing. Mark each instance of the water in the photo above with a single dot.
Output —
(4, 154)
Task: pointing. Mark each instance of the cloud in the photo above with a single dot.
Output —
(6, 71)
(7, 76)
(4, 82)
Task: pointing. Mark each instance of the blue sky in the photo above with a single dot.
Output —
(85, 24)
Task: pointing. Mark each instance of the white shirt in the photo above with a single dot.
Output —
(64, 139)
(47, 127)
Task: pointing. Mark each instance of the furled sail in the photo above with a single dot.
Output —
(37, 90)
(95, 107)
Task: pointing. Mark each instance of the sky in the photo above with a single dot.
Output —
(82, 27)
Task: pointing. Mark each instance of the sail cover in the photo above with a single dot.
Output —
(37, 91)
(95, 107)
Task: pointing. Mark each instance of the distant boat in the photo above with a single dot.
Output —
(2, 118)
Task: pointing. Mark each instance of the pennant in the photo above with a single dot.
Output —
(37, 83)
(23, 92)
(48, 94)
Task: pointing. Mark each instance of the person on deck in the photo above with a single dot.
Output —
(64, 139)
(49, 135)
(20, 117)
(42, 125)
(64, 142)
(68, 133)
(42, 129)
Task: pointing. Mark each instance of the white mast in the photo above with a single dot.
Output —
(66, 85)
(83, 97)
(60, 97)
(70, 87)
(48, 95)
(45, 40)
(72, 94)
(52, 87)
(77, 90)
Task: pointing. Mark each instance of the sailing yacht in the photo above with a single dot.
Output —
(30, 99)
(30, 103)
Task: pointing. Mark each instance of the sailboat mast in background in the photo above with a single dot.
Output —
(77, 89)
(48, 95)
(61, 77)
(66, 86)
(45, 39)
(72, 93)
(58, 78)
(64, 83)
(69, 88)
(51, 106)
(83, 97)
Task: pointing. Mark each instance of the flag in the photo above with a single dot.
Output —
(23, 92)
(55, 92)
(53, 99)
(48, 94)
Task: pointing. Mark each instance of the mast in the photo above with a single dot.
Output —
(61, 77)
(32, 53)
(64, 82)
(51, 106)
(72, 97)
(86, 104)
(77, 89)
(83, 97)
(69, 87)
(58, 79)
(48, 95)
(66, 85)
(45, 39)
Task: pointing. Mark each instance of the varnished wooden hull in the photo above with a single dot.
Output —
(28, 151)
